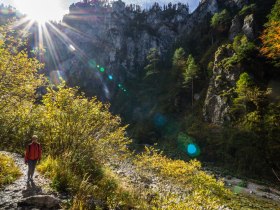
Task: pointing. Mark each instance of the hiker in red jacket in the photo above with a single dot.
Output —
(33, 154)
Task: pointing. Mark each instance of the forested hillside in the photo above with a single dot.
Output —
(129, 103)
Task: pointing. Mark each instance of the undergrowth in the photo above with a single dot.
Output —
(9, 172)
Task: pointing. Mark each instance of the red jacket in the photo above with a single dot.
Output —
(33, 152)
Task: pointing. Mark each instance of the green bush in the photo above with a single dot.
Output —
(247, 9)
(243, 47)
(220, 19)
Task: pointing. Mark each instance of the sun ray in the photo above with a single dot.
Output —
(51, 46)
(67, 41)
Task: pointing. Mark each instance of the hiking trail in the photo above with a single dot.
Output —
(23, 195)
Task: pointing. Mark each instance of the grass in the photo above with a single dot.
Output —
(248, 202)
(103, 191)
(9, 172)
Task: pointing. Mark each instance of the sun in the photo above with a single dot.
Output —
(41, 11)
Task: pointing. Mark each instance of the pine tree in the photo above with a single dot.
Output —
(153, 59)
(190, 72)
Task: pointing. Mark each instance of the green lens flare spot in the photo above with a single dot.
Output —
(102, 69)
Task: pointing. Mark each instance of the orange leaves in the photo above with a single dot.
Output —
(271, 41)
(271, 36)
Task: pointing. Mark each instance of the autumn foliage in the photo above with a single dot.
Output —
(271, 36)
(271, 41)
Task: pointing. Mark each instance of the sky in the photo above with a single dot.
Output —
(64, 4)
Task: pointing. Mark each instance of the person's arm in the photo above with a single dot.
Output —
(40, 151)
(26, 154)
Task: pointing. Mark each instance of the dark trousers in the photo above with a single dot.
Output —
(31, 168)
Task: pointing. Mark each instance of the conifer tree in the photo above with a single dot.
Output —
(153, 59)
(190, 72)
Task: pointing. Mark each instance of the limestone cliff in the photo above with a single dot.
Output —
(119, 38)
(218, 100)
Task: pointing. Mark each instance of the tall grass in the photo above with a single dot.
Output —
(9, 172)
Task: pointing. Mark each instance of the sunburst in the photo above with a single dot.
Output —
(41, 11)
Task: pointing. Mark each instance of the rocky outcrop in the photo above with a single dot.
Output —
(236, 27)
(240, 26)
(248, 27)
(218, 100)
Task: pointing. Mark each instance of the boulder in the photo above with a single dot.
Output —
(40, 201)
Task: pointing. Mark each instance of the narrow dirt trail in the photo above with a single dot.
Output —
(22, 195)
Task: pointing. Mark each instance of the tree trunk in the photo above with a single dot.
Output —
(192, 92)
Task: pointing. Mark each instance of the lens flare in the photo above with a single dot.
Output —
(186, 143)
(193, 150)
(72, 48)
(160, 120)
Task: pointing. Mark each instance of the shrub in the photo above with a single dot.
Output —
(248, 9)
(220, 19)
(197, 189)
(9, 172)
(243, 47)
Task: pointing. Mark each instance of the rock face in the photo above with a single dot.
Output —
(119, 39)
(240, 26)
(236, 27)
(217, 102)
(248, 27)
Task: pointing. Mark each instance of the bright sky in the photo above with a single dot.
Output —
(60, 7)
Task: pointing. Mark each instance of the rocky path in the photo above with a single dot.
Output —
(23, 196)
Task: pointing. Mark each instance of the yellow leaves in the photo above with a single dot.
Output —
(48, 166)
(199, 190)
(8, 170)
